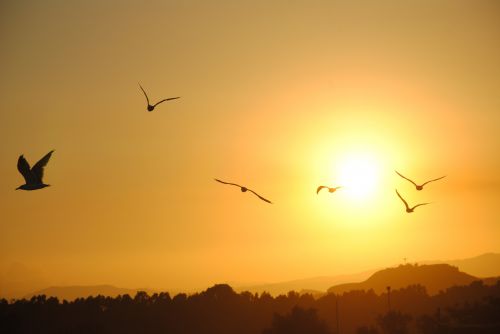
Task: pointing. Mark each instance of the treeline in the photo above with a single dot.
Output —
(467, 309)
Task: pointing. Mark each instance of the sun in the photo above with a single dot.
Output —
(359, 175)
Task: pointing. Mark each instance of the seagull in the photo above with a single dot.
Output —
(33, 176)
(329, 189)
(151, 107)
(419, 187)
(408, 209)
(244, 189)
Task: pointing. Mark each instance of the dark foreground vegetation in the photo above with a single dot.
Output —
(219, 310)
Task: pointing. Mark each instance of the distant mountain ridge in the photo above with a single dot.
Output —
(314, 284)
(434, 277)
(485, 265)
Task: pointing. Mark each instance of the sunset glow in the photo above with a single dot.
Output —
(279, 96)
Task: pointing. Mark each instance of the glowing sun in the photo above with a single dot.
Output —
(359, 175)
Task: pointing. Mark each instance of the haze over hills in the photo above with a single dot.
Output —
(434, 277)
(486, 265)
(18, 279)
(311, 285)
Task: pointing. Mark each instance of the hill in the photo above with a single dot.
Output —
(317, 285)
(485, 265)
(434, 277)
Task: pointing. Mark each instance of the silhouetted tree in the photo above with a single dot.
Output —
(299, 321)
(366, 330)
(394, 322)
(433, 324)
(220, 310)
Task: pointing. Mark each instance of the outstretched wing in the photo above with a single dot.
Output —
(233, 184)
(416, 206)
(439, 178)
(170, 98)
(262, 198)
(37, 170)
(24, 168)
(146, 95)
(406, 204)
(404, 177)
(319, 188)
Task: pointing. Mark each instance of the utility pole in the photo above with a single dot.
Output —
(337, 312)
(389, 297)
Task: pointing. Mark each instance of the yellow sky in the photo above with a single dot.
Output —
(276, 95)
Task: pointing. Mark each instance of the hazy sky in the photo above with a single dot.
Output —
(278, 95)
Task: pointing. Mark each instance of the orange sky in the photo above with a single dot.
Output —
(279, 96)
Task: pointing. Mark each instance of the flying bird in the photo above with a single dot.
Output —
(421, 186)
(331, 190)
(151, 107)
(244, 189)
(33, 175)
(408, 209)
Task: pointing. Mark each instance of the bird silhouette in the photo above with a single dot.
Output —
(33, 176)
(408, 209)
(151, 107)
(244, 189)
(421, 186)
(331, 190)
